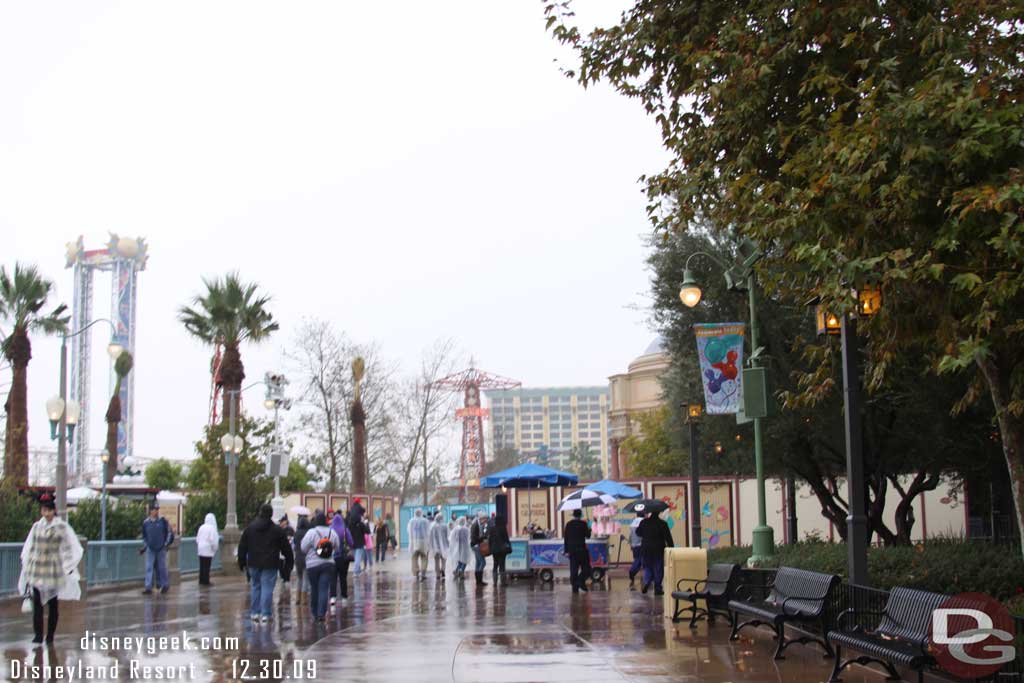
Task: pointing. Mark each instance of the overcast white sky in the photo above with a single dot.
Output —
(407, 170)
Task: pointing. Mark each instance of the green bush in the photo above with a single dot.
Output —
(124, 519)
(18, 513)
(198, 505)
(942, 566)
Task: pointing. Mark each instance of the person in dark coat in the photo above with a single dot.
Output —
(477, 535)
(260, 550)
(301, 527)
(655, 536)
(575, 537)
(501, 546)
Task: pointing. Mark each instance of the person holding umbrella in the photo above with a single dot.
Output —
(655, 536)
(576, 534)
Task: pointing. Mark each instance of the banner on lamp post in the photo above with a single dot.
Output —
(720, 351)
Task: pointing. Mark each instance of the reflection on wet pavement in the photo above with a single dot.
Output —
(394, 628)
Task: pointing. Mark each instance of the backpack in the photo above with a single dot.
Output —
(324, 547)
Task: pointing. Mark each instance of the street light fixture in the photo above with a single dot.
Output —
(693, 413)
(68, 412)
(738, 278)
(869, 301)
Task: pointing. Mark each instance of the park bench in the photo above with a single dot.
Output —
(716, 593)
(901, 637)
(797, 596)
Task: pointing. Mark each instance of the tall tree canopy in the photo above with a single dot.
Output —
(851, 139)
(23, 295)
(229, 313)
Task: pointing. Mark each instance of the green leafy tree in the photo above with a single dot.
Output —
(23, 295)
(209, 473)
(854, 140)
(19, 513)
(124, 519)
(199, 505)
(229, 313)
(164, 475)
(298, 477)
(122, 366)
(585, 462)
(502, 459)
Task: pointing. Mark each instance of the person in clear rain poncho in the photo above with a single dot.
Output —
(459, 551)
(419, 532)
(49, 567)
(439, 544)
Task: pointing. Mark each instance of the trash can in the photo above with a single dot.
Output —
(682, 563)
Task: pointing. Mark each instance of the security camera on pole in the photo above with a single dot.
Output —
(277, 463)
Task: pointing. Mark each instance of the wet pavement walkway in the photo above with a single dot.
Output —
(396, 629)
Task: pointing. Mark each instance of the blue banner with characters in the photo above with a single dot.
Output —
(720, 350)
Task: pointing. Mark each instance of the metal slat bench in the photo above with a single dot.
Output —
(797, 596)
(716, 594)
(901, 637)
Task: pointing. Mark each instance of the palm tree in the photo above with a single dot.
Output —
(122, 366)
(229, 313)
(22, 298)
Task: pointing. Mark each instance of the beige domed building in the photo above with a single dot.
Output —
(636, 391)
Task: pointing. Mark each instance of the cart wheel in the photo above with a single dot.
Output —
(547, 576)
(597, 574)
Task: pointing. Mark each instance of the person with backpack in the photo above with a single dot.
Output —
(260, 552)
(319, 545)
(156, 538)
(341, 559)
(439, 545)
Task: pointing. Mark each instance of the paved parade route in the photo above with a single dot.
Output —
(397, 629)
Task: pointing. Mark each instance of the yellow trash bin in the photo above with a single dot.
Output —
(682, 563)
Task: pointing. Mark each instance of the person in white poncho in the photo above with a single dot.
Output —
(439, 544)
(459, 551)
(419, 532)
(207, 541)
(49, 567)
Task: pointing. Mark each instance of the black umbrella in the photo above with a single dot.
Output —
(647, 505)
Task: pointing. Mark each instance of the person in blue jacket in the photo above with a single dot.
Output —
(156, 538)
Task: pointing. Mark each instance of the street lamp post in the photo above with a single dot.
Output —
(278, 460)
(869, 301)
(64, 413)
(690, 294)
(693, 412)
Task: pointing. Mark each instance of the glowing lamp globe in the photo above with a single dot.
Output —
(54, 408)
(690, 292)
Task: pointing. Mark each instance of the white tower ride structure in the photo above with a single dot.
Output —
(123, 257)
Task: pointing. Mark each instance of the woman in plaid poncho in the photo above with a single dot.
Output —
(49, 567)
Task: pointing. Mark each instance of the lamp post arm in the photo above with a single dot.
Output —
(714, 259)
(113, 327)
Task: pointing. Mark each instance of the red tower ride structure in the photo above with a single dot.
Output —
(470, 382)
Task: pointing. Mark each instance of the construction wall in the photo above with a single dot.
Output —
(729, 511)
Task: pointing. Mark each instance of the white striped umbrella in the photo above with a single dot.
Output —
(585, 498)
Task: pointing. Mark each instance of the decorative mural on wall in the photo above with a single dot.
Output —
(716, 512)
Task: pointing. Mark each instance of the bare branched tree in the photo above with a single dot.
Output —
(426, 415)
(321, 359)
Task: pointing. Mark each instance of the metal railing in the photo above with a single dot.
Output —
(105, 562)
